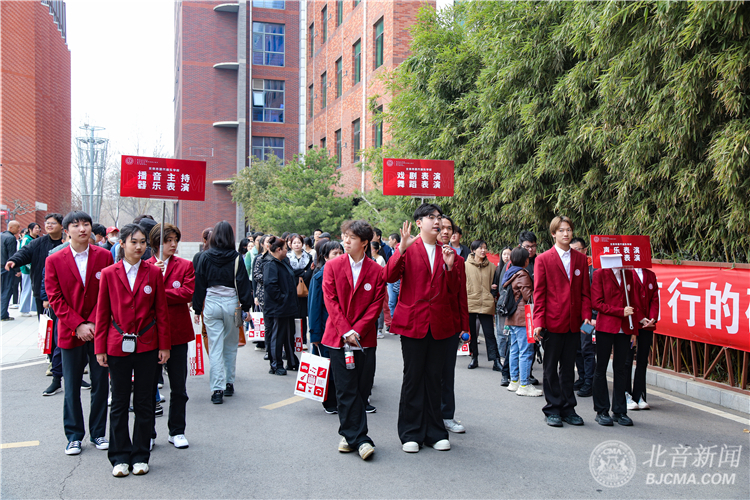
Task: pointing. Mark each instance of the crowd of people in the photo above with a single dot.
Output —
(121, 301)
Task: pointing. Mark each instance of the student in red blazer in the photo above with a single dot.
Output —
(353, 292)
(613, 332)
(132, 301)
(72, 284)
(460, 315)
(562, 303)
(429, 284)
(647, 291)
(179, 285)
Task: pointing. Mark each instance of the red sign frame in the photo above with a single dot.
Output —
(635, 250)
(418, 178)
(162, 178)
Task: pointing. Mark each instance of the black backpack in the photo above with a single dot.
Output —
(506, 302)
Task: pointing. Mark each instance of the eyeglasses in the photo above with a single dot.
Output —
(433, 217)
(529, 247)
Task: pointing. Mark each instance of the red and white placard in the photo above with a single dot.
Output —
(162, 178)
(419, 178)
(633, 251)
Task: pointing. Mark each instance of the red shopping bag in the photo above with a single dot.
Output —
(45, 334)
(530, 323)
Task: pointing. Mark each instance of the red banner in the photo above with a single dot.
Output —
(162, 178)
(420, 178)
(629, 251)
(705, 304)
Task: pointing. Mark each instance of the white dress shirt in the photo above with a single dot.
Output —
(565, 257)
(430, 254)
(639, 272)
(82, 261)
(166, 263)
(618, 276)
(132, 272)
(356, 269)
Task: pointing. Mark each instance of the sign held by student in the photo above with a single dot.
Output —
(418, 178)
(162, 178)
(629, 252)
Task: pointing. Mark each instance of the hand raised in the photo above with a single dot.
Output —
(406, 238)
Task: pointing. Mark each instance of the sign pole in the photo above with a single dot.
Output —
(161, 231)
(627, 299)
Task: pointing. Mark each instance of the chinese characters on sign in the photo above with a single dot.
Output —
(420, 178)
(633, 251)
(162, 178)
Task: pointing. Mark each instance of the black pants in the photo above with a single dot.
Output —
(268, 324)
(6, 285)
(290, 347)
(448, 381)
(604, 344)
(586, 359)
(177, 370)
(56, 360)
(331, 402)
(486, 320)
(559, 361)
(281, 330)
(419, 417)
(39, 306)
(73, 362)
(143, 366)
(638, 390)
(351, 390)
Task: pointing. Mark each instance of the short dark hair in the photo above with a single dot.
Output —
(362, 230)
(138, 219)
(275, 243)
(73, 217)
(326, 247)
(378, 232)
(99, 230)
(453, 224)
(458, 230)
(243, 246)
(477, 243)
(396, 237)
(295, 236)
(222, 237)
(31, 226)
(526, 236)
(285, 234)
(316, 230)
(426, 209)
(126, 232)
(518, 256)
(57, 217)
(578, 240)
(308, 242)
(375, 246)
(169, 230)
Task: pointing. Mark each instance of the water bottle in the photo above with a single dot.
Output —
(348, 356)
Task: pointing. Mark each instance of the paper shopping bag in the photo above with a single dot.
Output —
(463, 349)
(195, 356)
(258, 332)
(312, 377)
(45, 334)
(530, 323)
(298, 335)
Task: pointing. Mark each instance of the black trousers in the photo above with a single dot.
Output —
(605, 342)
(448, 381)
(351, 391)
(281, 330)
(73, 362)
(488, 328)
(289, 347)
(142, 366)
(268, 324)
(558, 362)
(586, 359)
(39, 306)
(331, 402)
(419, 417)
(643, 348)
(177, 370)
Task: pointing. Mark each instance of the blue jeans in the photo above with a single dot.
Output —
(521, 355)
(28, 304)
(392, 298)
(218, 316)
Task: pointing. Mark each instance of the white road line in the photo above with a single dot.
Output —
(40, 362)
(698, 406)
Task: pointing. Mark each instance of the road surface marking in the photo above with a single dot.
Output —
(21, 444)
(41, 362)
(285, 402)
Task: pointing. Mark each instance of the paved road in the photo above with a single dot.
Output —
(240, 450)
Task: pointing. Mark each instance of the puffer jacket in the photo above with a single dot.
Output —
(523, 291)
(479, 276)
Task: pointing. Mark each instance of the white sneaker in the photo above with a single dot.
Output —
(162, 399)
(140, 469)
(643, 405)
(179, 441)
(513, 386)
(121, 470)
(160, 386)
(442, 445)
(344, 446)
(453, 426)
(101, 443)
(410, 447)
(26, 315)
(366, 450)
(380, 335)
(258, 348)
(632, 405)
(528, 390)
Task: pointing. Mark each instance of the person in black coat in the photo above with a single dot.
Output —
(280, 288)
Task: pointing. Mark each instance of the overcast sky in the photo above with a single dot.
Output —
(122, 55)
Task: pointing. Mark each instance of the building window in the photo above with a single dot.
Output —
(339, 77)
(355, 139)
(323, 143)
(268, 4)
(339, 12)
(379, 43)
(378, 128)
(268, 44)
(356, 2)
(268, 101)
(338, 148)
(311, 36)
(324, 33)
(264, 147)
(324, 89)
(311, 101)
(357, 70)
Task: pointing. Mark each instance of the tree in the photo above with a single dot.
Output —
(387, 213)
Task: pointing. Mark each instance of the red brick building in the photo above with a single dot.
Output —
(350, 44)
(35, 113)
(237, 87)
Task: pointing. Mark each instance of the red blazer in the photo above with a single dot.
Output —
(179, 285)
(648, 295)
(609, 299)
(425, 295)
(352, 309)
(132, 310)
(460, 306)
(72, 302)
(561, 305)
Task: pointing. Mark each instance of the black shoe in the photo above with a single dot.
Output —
(533, 381)
(505, 382)
(265, 357)
(85, 386)
(291, 368)
(370, 409)
(159, 410)
(473, 363)
(9, 318)
(272, 371)
(603, 419)
(229, 391)
(553, 420)
(217, 397)
(586, 391)
(622, 419)
(578, 384)
(331, 411)
(496, 366)
(53, 388)
(573, 419)
(280, 371)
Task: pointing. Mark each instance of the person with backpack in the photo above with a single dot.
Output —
(519, 291)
